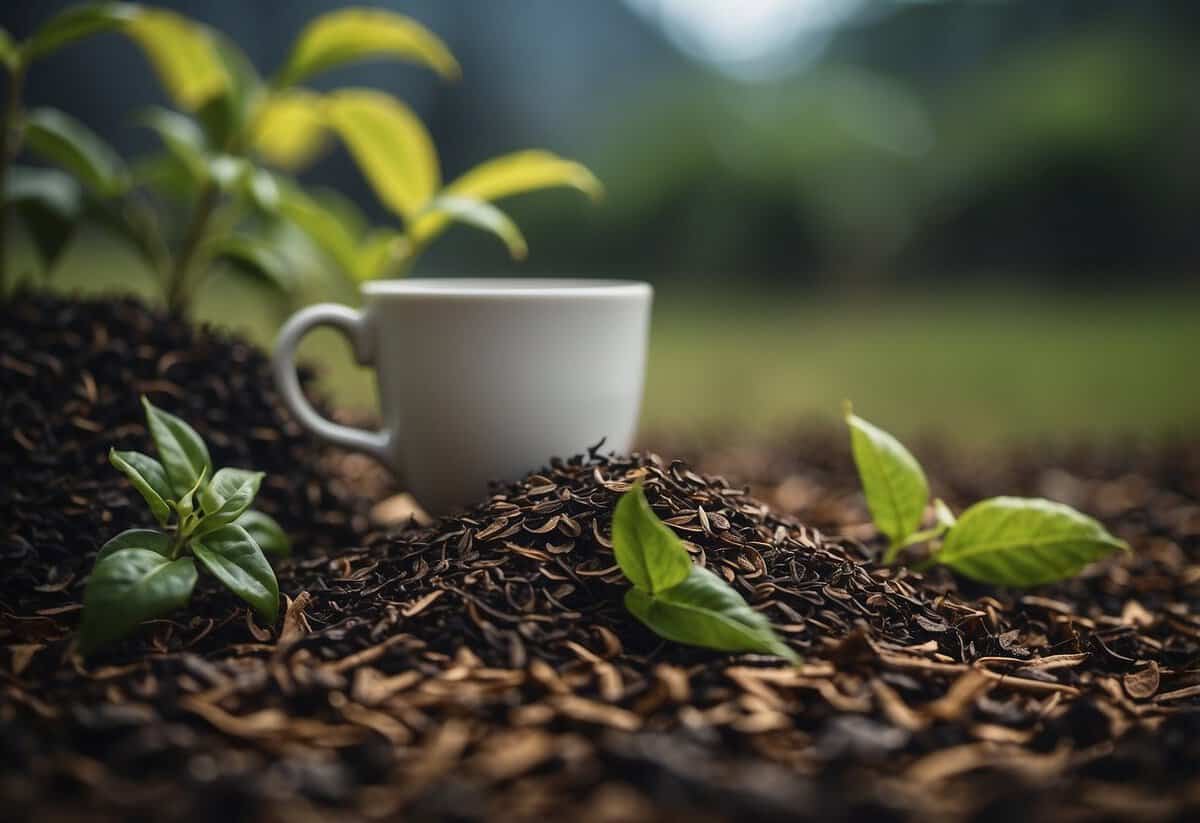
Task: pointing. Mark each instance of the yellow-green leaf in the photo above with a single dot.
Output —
(290, 129)
(8, 51)
(184, 54)
(390, 145)
(511, 174)
(379, 249)
(648, 552)
(481, 215)
(360, 33)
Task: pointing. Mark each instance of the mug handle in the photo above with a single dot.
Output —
(352, 324)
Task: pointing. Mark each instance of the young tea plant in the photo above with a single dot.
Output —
(1007, 541)
(142, 573)
(677, 600)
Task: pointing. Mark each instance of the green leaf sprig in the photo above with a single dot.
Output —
(1008, 541)
(676, 599)
(142, 574)
(219, 195)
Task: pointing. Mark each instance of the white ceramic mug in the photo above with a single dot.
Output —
(484, 380)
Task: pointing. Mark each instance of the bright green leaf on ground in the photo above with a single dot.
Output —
(648, 552)
(64, 141)
(78, 22)
(136, 539)
(390, 145)
(705, 611)
(267, 533)
(290, 128)
(184, 55)
(181, 449)
(1016, 541)
(147, 476)
(233, 557)
(128, 587)
(354, 34)
(893, 481)
(481, 215)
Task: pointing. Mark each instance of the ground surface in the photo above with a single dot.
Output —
(484, 666)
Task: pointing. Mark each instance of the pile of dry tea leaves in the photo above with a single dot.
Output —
(71, 376)
(485, 667)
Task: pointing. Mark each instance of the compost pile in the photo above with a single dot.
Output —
(484, 666)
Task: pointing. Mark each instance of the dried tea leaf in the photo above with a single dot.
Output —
(1143, 683)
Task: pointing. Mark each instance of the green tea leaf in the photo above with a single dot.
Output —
(137, 539)
(508, 175)
(78, 22)
(150, 479)
(186, 504)
(945, 517)
(10, 54)
(1017, 541)
(128, 587)
(184, 54)
(389, 144)
(233, 557)
(230, 493)
(481, 215)
(183, 138)
(327, 227)
(704, 611)
(290, 128)
(648, 552)
(183, 453)
(347, 35)
(256, 259)
(50, 203)
(893, 482)
(267, 533)
(64, 141)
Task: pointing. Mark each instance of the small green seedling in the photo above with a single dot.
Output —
(677, 600)
(1008, 541)
(142, 574)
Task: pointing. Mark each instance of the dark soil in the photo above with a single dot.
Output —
(484, 667)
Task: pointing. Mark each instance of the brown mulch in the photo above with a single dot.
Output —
(484, 666)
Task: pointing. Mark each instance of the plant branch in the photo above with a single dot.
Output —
(9, 145)
(176, 286)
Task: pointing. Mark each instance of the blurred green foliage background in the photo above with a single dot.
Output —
(976, 218)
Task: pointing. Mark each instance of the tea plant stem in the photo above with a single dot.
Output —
(9, 144)
(177, 292)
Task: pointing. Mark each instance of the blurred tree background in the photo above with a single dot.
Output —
(974, 215)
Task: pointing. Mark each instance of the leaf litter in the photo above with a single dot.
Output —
(484, 665)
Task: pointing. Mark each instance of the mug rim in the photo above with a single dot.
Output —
(501, 287)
